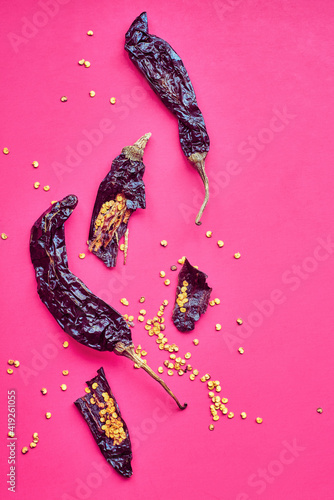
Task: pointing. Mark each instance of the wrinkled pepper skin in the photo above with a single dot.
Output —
(119, 456)
(120, 193)
(168, 77)
(198, 295)
(85, 317)
(79, 312)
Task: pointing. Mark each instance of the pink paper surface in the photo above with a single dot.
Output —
(263, 75)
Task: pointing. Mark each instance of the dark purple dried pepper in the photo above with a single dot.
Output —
(166, 74)
(192, 297)
(85, 317)
(114, 446)
(120, 193)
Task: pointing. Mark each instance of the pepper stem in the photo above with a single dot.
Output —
(129, 352)
(198, 159)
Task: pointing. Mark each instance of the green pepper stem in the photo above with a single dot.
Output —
(198, 159)
(129, 352)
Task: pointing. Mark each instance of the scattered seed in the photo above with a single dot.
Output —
(187, 355)
(65, 372)
(10, 361)
(90, 33)
(220, 243)
(63, 387)
(211, 427)
(195, 341)
(4, 236)
(95, 385)
(33, 445)
(46, 188)
(48, 415)
(224, 400)
(167, 282)
(113, 100)
(35, 435)
(182, 260)
(160, 369)
(181, 372)
(65, 344)
(243, 415)
(237, 255)
(16, 364)
(212, 303)
(5, 151)
(44, 390)
(173, 268)
(208, 234)
(239, 321)
(165, 302)
(259, 420)
(241, 350)
(170, 372)
(122, 247)
(319, 410)
(217, 301)
(92, 93)
(63, 98)
(142, 299)
(218, 327)
(230, 415)
(24, 450)
(87, 390)
(195, 372)
(36, 185)
(162, 274)
(218, 388)
(141, 318)
(10, 371)
(35, 164)
(86, 64)
(81, 62)
(11, 434)
(82, 255)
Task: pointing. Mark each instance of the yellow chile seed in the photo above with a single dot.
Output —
(63, 98)
(65, 344)
(218, 327)
(131, 318)
(11, 434)
(172, 356)
(92, 93)
(143, 353)
(10, 361)
(163, 243)
(202, 379)
(65, 372)
(237, 255)
(44, 391)
(243, 415)
(180, 372)
(218, 388)
(211, 427)
(167, 282)
(142, 312)
(5, 151)
(36, 185)
(48, 415)
(208, 234)
(187, 355)
(82, 255)
(170, 372)
(81, 62)
(90, 33)
(189, 368)
(195, 372)
(183, 309)
(230, 415)
(160, 369)
(165, 302)
(95, 385)
(215, 418)
(239, 321)
(35, 164)
(32, 445)
(92, 401)
(319, 410)
(162, 274)
(181, 261)
(207, 376)
(4, 236)
(141, 318)
(63, 387)
(192, 376)
(217, 301)
(241, 350)
(87, 64)
(224, 411)
(142, 299)
(112, 100)
(212, 303)
(259, 420)
(220, 243)
(87, 390)
(211, 394)
(24, 450)
(10, 371)
(46, 188)
(224, 400)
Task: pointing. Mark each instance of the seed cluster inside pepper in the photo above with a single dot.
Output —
(112, 423)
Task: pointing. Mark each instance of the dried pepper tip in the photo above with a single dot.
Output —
(129, 352)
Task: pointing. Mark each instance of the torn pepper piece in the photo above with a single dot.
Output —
(192, 297)
(168, 77)
(120, 193)
(82, 315)
(102, 414)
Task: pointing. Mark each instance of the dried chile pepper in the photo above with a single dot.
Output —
(192, 297)
(120, 193)
(102, 414)
(82, 315)
(168, 77)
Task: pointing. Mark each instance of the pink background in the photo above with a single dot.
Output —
(263, 74)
